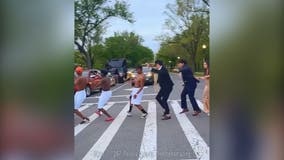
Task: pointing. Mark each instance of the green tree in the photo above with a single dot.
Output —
(128, 45)
(90, 18)
(191, 28)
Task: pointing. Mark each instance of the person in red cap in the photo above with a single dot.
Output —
(80, 84)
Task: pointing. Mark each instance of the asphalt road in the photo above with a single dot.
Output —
(133, 138)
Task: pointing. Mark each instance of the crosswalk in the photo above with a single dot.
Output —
(100, 140)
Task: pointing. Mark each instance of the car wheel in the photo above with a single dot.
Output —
(88, 91)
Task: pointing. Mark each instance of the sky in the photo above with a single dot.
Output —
(149, 21)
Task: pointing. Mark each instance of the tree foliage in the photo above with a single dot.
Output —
(90, 18)
(190, 25)
(121, 45)
(128, 45)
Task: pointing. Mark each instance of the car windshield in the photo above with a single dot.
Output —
(146, 69)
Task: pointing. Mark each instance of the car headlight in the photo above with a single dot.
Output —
(149, 75)
(120, 74)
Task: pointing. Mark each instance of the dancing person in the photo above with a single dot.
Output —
(166, 87)
(190, 84)
(106, 94)
(80, 84)
(137, 92)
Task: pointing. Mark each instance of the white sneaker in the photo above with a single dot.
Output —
(129, 114)
(144, 115)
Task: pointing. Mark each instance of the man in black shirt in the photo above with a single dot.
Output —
(190, 84)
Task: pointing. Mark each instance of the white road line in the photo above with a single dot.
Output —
(119, 87)
(89, 104)
(81, 127)
(199, 103)
(127, 96)
(85, 106)
(98, 149)
(148, 149)
(197, 143)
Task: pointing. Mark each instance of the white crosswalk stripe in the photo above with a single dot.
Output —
(148, 150)
(197, 143)
(97, 150)
(94, 116)
(148, 147)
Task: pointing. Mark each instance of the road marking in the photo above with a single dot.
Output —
(100, 146)
(119, 87)
(197, 143)
(144, 101)
(94, 116)
(130, 89)
(123, 96)
(85, 106)
(148, 149)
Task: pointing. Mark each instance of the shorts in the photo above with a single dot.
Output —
(138, 99)
(104, 97)
(79, 98)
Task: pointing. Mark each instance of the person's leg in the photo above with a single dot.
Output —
(193, 101)
(130, 106)
(144, 113)
(206, 99)
(166, 95)
(105, 112)
(84, 118)
(130, 109)
(78, 113)
(183, 100)
(141, 108)
(79, 97)
(105, 96)
(159, 97)
(109, 117)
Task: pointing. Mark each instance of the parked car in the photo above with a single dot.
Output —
(130, 73)
(118, 68)
(149, 76)
(94, 77)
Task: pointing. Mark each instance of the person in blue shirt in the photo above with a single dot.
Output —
(190, 84)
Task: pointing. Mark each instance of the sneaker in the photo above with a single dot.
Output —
(85, 120)
(144, 115)
(108, 119)
(129, 114)
(99, 113)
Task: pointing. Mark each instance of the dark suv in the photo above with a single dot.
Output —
(118, 68)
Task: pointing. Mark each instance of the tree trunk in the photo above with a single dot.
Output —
(193, 65)
(88, 62)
